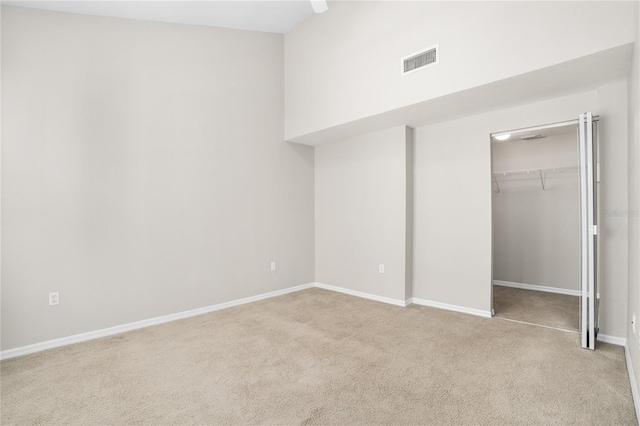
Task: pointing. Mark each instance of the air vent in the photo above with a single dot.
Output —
(420, 60)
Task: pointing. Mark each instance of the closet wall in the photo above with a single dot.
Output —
(633, 219)
(536, 231)
(452, 196)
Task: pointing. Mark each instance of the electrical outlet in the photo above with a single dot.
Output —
(273, 266)
(381, 268)
(54, 298)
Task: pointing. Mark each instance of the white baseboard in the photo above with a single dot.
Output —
(620, 341)
(537, 288)
(455, 308)
(363, 295)
(632, 380)
(83, 337)
(413, 300)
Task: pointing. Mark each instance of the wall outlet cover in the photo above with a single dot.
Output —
(54, 298)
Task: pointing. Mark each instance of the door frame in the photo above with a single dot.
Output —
(530, 129)
(588, 147)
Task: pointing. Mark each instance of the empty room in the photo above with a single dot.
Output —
(320, 212)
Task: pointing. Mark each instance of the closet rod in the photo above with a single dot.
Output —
(536, 170)
(541, 173)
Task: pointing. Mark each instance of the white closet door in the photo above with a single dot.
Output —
(588, 231)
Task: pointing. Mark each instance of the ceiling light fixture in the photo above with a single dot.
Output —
(319, 6)
(503, 137)
(530, 137)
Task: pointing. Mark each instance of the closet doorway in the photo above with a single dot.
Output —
(544, 207)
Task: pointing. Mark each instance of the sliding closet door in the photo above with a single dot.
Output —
(588, 230)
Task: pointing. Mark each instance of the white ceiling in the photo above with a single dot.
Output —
(261, 15)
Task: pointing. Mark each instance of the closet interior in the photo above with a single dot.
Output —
(536, 226)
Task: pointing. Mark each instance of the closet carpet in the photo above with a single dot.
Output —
(319, 357)
(537, 307)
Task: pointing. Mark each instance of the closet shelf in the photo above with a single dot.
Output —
(541, 173)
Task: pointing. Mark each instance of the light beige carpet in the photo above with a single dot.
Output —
(537, 307)
(318, 357)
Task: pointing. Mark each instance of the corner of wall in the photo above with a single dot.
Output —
(409, 214)
(633, 151)
(363, 214)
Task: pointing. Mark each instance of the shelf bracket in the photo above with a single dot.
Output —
(542, 180)
(496, 182)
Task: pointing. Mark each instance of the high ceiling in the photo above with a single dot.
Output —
(264, 15)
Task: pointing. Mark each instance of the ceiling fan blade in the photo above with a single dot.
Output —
(319, 6)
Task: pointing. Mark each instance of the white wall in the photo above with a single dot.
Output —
(344, 65)
(452, 213)
(633, 219)
(614, 230)
(452, 197)
(143, 172)
(536, 237)
(362, 215)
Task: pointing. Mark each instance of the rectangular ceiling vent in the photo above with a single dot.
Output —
(420, 60)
